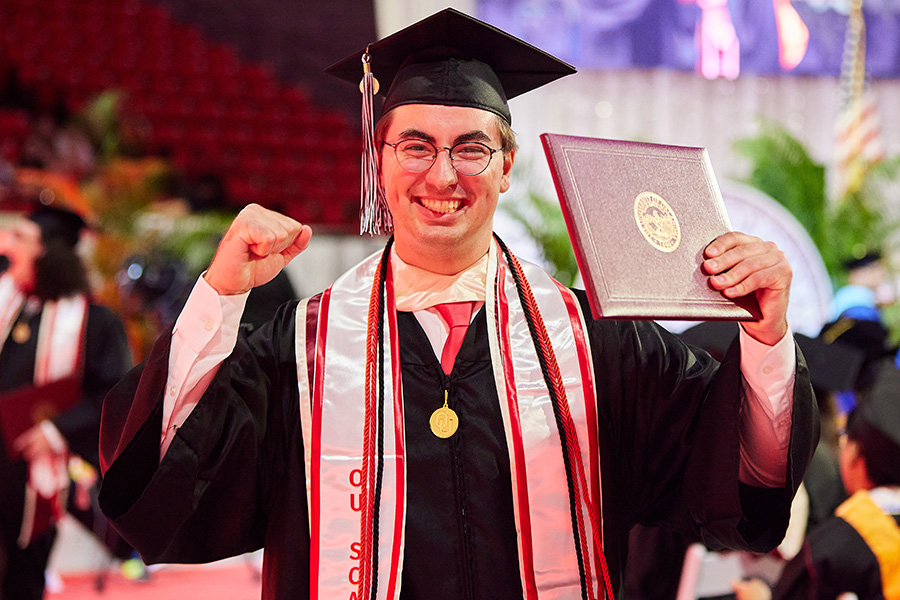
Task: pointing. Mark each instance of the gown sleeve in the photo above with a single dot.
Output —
(669, 421)
(213, 493)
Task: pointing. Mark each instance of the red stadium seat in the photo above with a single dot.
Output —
(209, 109)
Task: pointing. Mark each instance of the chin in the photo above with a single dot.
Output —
(441, 237)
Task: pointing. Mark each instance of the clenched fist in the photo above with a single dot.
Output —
(256, 247)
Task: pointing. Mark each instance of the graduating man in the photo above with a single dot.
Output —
(56, 344)
(445, 421)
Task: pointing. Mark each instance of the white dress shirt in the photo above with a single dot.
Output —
(207, 328)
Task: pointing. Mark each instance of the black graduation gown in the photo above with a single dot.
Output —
(233, 477)
(107, 358)
(835, 559)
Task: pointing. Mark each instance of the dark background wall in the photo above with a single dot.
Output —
(296, 39)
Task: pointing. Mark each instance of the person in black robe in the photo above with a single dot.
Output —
(45, 265)
(231, 478)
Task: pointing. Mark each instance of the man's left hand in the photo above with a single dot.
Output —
(740, 264)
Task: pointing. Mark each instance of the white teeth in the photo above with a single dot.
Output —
(441, 206)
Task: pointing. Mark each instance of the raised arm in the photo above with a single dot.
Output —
(256, 247)
(740, 264)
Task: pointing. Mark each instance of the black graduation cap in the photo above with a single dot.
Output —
(58, 224)
(453, 59)
(875, 423)
(832, 367)
(448, 59)
(857, 262)
(870, 339)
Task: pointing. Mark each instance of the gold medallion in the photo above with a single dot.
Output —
(367, 70)
(376, 87)
(444, 421)
(21, 333)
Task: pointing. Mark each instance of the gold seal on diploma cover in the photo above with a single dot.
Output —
(21, 332)
(444, 421)
(657, 221)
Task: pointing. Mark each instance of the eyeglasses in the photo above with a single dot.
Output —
(468, 158)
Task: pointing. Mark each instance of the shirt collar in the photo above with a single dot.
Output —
(418, 289)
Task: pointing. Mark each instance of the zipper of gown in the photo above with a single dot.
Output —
(459, 485)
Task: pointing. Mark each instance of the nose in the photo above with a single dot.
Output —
(442, 174)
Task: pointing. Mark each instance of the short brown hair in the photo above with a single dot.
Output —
(507, 135)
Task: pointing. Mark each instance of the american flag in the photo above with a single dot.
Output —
(858, 145)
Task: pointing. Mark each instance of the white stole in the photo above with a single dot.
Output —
(11, 300)
(59, 333)
(333, 415)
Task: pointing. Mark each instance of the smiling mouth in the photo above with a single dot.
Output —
(441, 206)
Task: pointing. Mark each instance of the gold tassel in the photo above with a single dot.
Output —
(374, 216)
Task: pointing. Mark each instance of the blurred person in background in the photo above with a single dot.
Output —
(866, 276)
(60, 354)
(857, 323)
(857, 550)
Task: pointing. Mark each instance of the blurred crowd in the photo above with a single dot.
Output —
(55, 243)
(855, 370)
(47, 159)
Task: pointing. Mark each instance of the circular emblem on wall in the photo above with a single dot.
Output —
(657, 222)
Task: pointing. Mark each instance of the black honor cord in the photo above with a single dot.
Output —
(567, 460)
(554, 401)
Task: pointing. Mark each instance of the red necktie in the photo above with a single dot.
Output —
(457, 316)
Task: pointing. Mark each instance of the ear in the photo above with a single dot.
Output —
(508, 159)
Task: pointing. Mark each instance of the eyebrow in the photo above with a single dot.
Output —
(472, 136)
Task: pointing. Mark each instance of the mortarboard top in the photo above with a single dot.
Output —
(881, 406)
(869, 338)
(58, 224)
(453, 59)
(832, 367)
(857, 262)
(876, 424)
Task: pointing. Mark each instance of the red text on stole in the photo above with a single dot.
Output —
(356, 500)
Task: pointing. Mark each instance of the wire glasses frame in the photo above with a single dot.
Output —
(468, 158)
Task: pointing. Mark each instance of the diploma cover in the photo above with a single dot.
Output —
(24, 407)
(640, 216)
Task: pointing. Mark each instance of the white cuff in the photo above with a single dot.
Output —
(769, 370)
